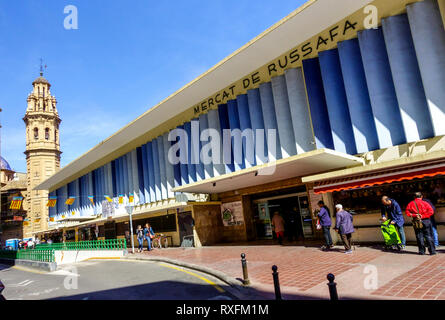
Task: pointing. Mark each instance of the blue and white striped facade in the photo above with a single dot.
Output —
(384, 88)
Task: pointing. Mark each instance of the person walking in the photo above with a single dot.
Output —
(324, 216)
(421, 213)
(278, 225)
(344, 227)
(391, 210)
(433, 222)
(140, 237)
(148, 234)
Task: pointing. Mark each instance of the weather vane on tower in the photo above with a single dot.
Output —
(41, 67)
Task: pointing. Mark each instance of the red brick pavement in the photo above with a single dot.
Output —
(427, 281)
(298, 267)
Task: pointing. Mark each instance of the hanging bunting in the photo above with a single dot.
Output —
(121, 199)
(37, 220)
(51, 219)
(73, 213)
(16, 203)
(70, 200)
(108, 198)
(91, 198)
(52, 202)
(131, 198)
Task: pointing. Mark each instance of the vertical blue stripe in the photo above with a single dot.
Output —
(337, 102)
(146, 173)
(151, 172)
(284, 118)
(365, 132)
(169, 171)
(203, 125)
(114, 175)
(299, 110)
(317, 104)
(214, 123)
(157, 170)
(381, 88)
(191, 167)
(162, 170)
(429, 41)
(183, 155)
(270, 120)
(257, 121)
(237, 149)
(224, 123)
(407, 79)
(140, 175)
(246, 124)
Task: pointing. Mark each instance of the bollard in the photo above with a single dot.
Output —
(246, 280)
(332, 287)
(276, 283)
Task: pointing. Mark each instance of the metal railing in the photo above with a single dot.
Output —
(34, 255)
(111, 244)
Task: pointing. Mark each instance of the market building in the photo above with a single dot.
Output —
(343, 103)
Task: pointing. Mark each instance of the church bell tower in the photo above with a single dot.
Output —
(42, 151)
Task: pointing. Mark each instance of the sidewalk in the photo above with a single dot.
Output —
(303, 270)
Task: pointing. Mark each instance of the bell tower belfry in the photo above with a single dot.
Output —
(42, 151)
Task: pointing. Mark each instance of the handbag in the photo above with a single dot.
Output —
(417, 223)
(318, 225)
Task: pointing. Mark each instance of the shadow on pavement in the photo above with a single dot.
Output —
(172, 290)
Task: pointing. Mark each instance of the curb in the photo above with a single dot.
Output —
(241, 292)
(39, 265)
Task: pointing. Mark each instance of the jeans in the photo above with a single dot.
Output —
(435, 236)
(426, 233)
(346, 238)
(401, 234)
(148, 242)
(327, 235)
(141, 243)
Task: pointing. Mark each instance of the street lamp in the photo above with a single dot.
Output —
(129, 209)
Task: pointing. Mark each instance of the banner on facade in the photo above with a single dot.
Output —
(52, 202)
(108, 198)
(70, 200)
(91, 198)
(232, 213)
(16, 203)
(130, 197)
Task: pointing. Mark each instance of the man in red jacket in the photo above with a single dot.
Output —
(419, 209)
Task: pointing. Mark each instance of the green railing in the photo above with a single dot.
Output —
(112, 244)
(34, 255)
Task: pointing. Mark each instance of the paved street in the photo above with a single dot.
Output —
(112, 279)
(302, 270)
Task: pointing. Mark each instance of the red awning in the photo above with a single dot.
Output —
(379, 178)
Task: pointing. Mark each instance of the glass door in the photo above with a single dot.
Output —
(306, 219)
(263, 223)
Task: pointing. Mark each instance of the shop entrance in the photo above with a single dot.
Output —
(186, 223)
(294, 208)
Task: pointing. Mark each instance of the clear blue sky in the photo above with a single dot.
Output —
(125, 57)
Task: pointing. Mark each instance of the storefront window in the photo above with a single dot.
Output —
(368, 200)
(70, 235)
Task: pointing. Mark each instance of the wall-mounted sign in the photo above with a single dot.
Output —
(232, 213)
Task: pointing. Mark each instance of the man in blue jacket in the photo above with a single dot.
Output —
(344, 226)
(325, 221)
(391, 210)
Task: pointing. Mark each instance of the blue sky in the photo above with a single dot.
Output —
(125, 57)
